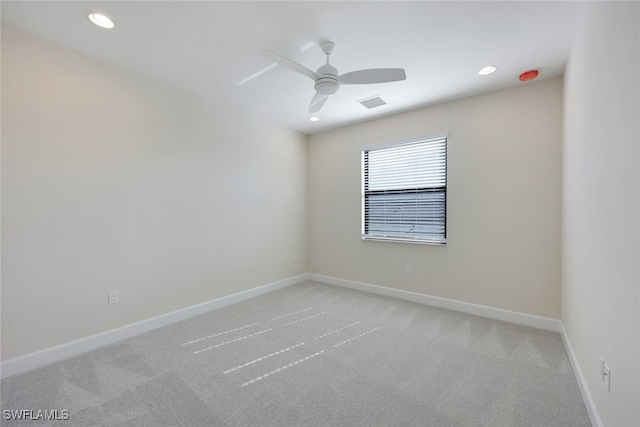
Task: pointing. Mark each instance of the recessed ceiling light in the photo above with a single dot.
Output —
(487, 70)
(314, 118)
(101, 20)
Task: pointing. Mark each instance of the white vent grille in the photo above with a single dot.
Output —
(372, 102)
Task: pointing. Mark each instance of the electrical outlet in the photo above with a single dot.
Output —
(606, 374)
(407, 268)
(114, 297)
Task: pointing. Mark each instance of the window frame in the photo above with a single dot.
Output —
(440, 241)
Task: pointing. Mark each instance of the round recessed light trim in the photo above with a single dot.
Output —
(101, 20)
(314, 118)
(488, 70)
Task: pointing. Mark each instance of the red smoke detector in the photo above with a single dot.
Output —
(528, 75)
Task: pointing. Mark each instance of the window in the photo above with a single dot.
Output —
(404, 191)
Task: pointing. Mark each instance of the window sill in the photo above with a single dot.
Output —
(437, 242)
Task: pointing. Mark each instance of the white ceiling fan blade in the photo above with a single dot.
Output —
(375, 75)
(317, 102)
(287, 63)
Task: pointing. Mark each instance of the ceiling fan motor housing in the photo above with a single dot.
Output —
(327, 83)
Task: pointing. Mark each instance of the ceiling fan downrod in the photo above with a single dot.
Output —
(327, 83)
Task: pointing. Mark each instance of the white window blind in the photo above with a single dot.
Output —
(404, 191)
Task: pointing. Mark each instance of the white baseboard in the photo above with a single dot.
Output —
(464, 307)
(54, 354)
(594, 416)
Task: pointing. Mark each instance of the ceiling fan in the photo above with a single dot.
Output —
(327, 81)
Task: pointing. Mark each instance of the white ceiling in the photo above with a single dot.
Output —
(207, 47)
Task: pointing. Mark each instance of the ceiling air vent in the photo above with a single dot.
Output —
(372, 102)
